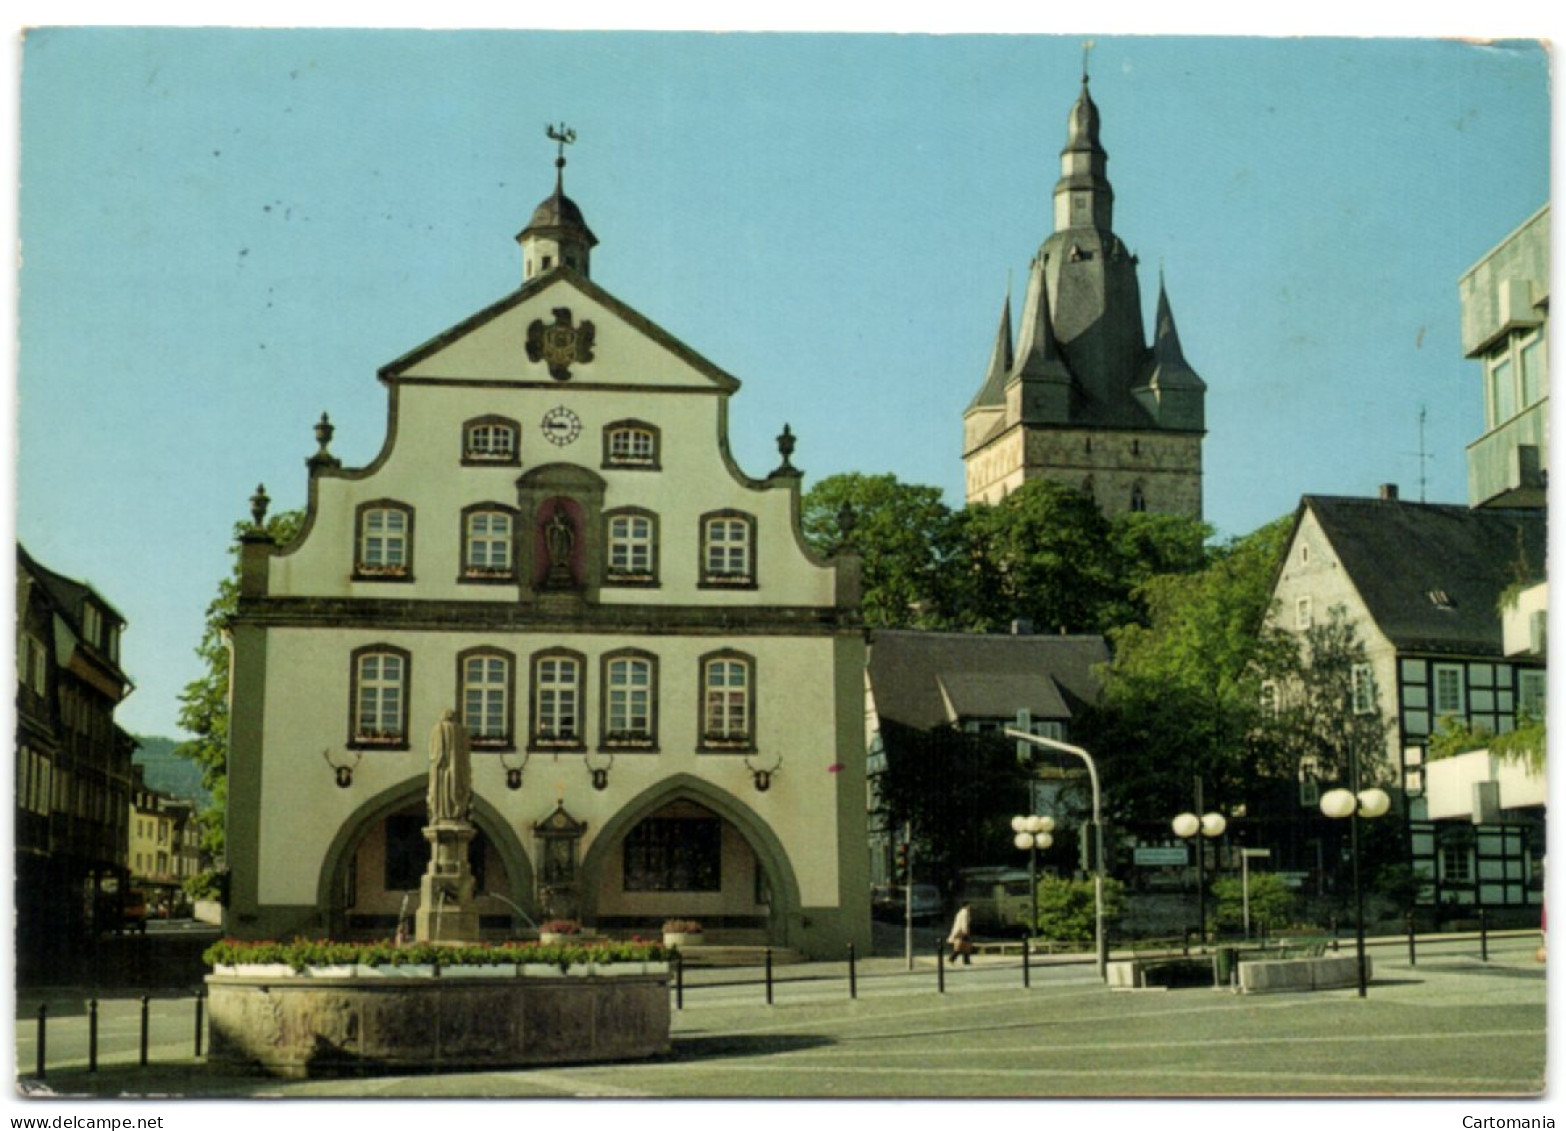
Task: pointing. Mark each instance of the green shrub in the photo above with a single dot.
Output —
(1068, 909)
(1272, 902)
(302, 953)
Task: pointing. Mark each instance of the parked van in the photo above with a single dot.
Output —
(1000, 899)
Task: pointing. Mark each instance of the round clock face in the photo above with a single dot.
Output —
(561, 426)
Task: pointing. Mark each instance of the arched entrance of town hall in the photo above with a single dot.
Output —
(370, 876)
(686, 849)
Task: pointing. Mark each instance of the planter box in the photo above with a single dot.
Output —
(683, 938)
(551, 938)
(304, 1027)
(256, 970)
(329, 971)
(491, 970)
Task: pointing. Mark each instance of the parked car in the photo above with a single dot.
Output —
(999, 899)
(133, 915)
(889, 901)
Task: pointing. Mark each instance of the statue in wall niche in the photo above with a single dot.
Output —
(451, 770)
(560, 541)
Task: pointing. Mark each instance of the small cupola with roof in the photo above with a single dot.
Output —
(557, 235)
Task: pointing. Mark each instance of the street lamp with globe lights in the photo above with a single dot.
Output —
(1031, 834)
(1208, 825)
(1340, 804)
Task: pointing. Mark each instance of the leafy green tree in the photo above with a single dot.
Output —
(1068, 909)
(1044, 553)
(907, 538)
(958, 791)
(204, 702)
(1182, 696)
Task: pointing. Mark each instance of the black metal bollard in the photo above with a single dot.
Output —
(1185, 941)
(1484, 938)
(201, 997)
(679, 981)
(92, 1035)
(769, 975)
(43, 1038)
(940, 969)
(1334, 924)
(853, 977)
(1025, 971)
(146, 1005)
(1412, 958)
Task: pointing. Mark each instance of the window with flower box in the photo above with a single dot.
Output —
(491, 440)
(631, 543)
(380, 697)
(559, 689)
(488, 536)
(629, 701)
(485, 689)
(728, 549)
(384, 542)
(728, 701)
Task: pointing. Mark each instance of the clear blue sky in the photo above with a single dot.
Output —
(225, 233)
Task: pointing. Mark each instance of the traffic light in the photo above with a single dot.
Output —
(902, 861)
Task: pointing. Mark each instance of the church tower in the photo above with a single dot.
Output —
(1082, 399)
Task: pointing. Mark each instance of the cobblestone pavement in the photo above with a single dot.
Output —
(1451, 1025)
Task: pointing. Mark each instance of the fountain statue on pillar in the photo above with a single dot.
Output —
(446, 912)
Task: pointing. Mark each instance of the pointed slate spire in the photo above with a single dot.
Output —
(1038, 352)
(992, 391)
(1039, 390)
(1170, 369)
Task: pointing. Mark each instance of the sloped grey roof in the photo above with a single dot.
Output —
(1432, 574)
(924, 679)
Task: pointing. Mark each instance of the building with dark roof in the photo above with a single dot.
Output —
(73, 766)
(972, 682)
(1424, 585)
(1081, 399)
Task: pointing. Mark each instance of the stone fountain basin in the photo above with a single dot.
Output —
(346, 1024)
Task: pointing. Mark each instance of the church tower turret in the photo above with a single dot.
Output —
(1087, 402)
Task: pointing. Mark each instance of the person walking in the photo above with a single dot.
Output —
(962, 927)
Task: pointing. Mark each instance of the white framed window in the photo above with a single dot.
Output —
(489, 439)
(728, 549)
(1503, 388)
(1362, 678)
(631, 443)
(1447, 690)
(728, 700)
(1456, 864)
(486, 697)
(486, 544)
(385, 539)
(1303, 614)
(629, 700)
(380, 695)
(92, 624)
(1530, 357)
(1532, 688)
(557, 699)
(632, 544)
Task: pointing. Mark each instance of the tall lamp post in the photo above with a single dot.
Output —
(1100, 941)
(1354, 804)
(1208, 825)
(1032, 834)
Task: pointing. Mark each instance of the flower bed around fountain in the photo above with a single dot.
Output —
(313, 1008)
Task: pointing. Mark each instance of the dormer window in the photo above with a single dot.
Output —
(631, 444)
(490, 440)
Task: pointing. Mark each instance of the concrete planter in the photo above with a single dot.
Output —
(683, 938)
(304, 1027)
